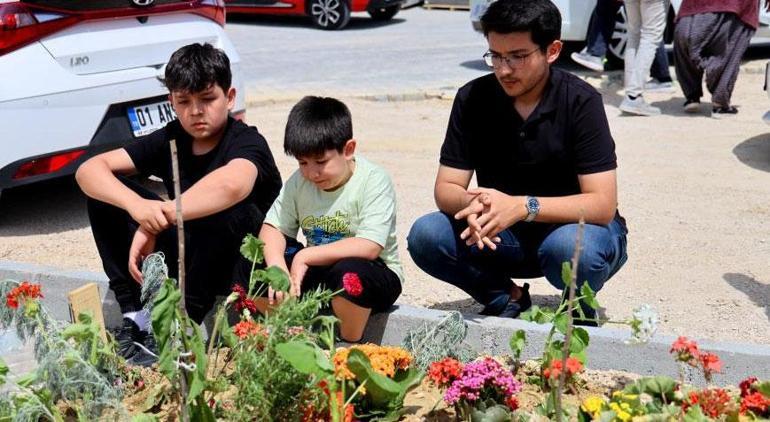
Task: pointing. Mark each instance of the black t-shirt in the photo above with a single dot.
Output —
(565, 136)
(151, 155)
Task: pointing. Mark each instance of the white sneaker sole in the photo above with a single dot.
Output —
(591, 65)
(638, 112)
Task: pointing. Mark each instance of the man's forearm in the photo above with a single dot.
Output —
(451, 198)
(595, 209)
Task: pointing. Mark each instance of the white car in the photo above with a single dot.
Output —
(576, 16)
(81, 77)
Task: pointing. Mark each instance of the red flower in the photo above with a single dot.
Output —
(554, 370)
(243, 302)
(686, 351)
(755, 403)
(237, 288)
(747, 386)
(711, 364)
(352, 284)
(445, 371)
(512, 402)
(22, 293)
(714, 402)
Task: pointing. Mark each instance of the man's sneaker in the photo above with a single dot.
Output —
(516, 307)
(691, 106)
(654, 85)
(719, 112)
(145, 357)
(638, 107)
(592, 62)
(126, 336)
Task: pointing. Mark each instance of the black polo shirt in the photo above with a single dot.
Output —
(566, 135)
(151, 155)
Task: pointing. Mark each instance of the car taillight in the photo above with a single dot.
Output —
(20, 25)
(47, 164)
(213, 9)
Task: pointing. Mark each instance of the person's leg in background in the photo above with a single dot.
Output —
(689, 40)
(728, 44)
(599, 35)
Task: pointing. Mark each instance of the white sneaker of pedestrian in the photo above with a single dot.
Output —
(592, 62)
(653, 85)
(638, 107)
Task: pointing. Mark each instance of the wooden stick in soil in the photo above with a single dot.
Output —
(570, 319)
(180, 243)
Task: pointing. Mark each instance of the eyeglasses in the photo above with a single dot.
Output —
(495, 60)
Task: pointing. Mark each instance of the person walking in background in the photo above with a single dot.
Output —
(710, 38)
(646, 23)
(598, 38)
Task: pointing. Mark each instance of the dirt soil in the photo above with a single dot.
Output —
(694, 190)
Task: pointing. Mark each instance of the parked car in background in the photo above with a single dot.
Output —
(81, 77)
(326, 14)
(576, 16)
(766, 116)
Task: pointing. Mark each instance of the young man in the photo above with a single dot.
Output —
(710, 38)
(538, 140)
(346, 209)
(228, 181)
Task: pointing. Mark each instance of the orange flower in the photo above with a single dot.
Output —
(686, 351)
(245, 329)
(554, 370)
(22, 293)
(714, 402)
(711, 363)
(384, 360)
(445, 371)
(755, 403)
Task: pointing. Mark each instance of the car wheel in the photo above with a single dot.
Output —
(330, 14)
(384, 13)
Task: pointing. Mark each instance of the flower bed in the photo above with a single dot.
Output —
(286, 366)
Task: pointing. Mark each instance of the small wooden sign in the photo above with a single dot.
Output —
(87, 299)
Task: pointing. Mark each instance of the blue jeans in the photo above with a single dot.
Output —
(526, 250)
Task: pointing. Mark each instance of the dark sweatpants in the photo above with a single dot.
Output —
(212, 247)
(710, 43)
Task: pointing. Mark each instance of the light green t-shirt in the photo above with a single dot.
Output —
(364, 207)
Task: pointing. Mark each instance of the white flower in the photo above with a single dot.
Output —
(644, 324)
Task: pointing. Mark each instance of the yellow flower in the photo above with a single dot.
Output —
(593, 406)
(622, 411)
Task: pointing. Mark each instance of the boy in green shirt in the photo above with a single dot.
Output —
(346, 209)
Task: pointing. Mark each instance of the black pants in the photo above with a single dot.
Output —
(380, 285)
(211, 250)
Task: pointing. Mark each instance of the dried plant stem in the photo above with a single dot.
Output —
(570, 320)
(181, 276)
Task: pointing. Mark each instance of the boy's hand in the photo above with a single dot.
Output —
(169, 211)
(149, 214)
(298, 270)
(142, 245)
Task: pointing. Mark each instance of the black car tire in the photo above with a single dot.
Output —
(329, 14)
(384, 13)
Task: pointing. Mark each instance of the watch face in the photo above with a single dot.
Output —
(533, 205)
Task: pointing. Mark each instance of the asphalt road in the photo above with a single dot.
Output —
(418, 50)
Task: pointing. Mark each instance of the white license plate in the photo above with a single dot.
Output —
(148, 118)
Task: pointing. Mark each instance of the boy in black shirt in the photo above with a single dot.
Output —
(228, 181)
(538, 141)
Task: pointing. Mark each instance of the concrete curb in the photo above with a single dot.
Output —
(256, 98)
(607, 350)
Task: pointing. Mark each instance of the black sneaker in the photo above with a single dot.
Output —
(516, 307)
(724, 110)
(142, 357)
(126, 336)
(691, 106)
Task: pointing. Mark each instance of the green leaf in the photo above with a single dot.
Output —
(560, 322)
(566, 274)
(538, 315)
(163, 323)
(201, 412)
(380, 389)
(695, 414)
(306, 358)
(143, 417)
(517, 342)
(579, 341)
(764, 388)
(496, 413)
(589, 296)
(198, 377)
(275, 277)
(3, 371)
(251, 248)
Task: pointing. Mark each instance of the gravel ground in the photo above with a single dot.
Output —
(694, 191)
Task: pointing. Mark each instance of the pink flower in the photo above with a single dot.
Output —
(482, 376)
(352, 284)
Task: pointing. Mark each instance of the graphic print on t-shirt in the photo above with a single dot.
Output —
(325, 229)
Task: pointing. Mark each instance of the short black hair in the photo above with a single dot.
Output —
(541, 18)
(317, 125)
(196, 67)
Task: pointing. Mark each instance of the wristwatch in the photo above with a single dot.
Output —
(533, 207)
